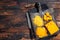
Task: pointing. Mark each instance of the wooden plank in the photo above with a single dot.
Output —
(54, 4)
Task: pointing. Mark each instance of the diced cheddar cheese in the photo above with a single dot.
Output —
(47, 16)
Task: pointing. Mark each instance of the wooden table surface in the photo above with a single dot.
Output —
(13, 22)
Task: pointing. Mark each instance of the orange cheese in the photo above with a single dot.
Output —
(47, 16)
(41, 32)
(52, 27)
(38, 21)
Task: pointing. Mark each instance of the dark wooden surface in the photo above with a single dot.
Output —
(13, 22)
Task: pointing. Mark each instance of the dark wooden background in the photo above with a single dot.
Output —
(13, 22)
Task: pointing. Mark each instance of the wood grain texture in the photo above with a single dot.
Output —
(13, 22)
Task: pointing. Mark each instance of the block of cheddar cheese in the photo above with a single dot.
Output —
(52, 27)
